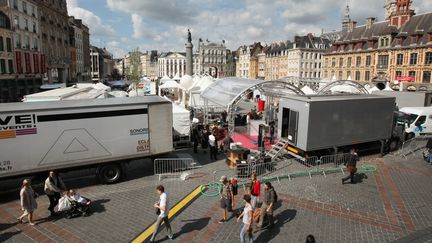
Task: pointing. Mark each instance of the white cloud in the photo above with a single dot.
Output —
(162, 24)
(97, 27)
(141, 30)
(116, 48)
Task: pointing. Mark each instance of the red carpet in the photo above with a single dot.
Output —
(250, 142)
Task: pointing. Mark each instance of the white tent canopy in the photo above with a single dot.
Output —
(170, 84)
(307, 90)
(144, 79)
(224, 91)
(164, 79)
(186, 82)
(181, 119)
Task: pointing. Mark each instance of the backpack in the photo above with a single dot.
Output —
(275, 198)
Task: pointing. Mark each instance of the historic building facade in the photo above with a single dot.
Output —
(28, 66)
(172, 64)
(79, 49)
(211, 59)
(301, 57)
(399, 48)
(102, 64)
(248, 60)
(55, 39)
(149, 64)
(7, 73)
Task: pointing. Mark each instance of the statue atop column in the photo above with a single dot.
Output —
(189, 38)
(189, 54)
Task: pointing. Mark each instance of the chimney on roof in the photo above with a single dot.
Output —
(369, 22)
(352, 25)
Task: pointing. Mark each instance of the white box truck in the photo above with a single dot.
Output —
(101, 133)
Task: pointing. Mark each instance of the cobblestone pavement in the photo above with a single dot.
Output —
(388, 205)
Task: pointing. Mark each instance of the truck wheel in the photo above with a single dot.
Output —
(394, 144)
(410, 136)
(110, 173)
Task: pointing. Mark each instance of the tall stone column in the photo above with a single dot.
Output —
(189, 49)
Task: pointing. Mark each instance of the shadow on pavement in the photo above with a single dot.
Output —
(7, 235)
(97, 206)
(280, 219)
(193, 225)
(359, 177)
(6, 226)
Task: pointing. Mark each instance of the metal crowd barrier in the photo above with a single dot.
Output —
(315, 166)
(412, 146)
(174, 167)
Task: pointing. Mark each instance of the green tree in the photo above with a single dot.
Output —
(133, 70)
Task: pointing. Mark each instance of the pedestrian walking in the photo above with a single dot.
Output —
(213, 146)
(351, 166)
(226, 199)
(28, 202)
(162, 209)
(267, 206)
(254, 190)
(53, 188)
(247, 220)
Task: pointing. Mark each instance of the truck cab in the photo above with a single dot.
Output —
(417, 120)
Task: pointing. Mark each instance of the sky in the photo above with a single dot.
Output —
(123, 25)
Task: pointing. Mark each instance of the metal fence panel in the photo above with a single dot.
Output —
(174, 167)
(412, 146)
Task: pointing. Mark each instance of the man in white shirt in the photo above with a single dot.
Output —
(162, 208)
(213, 146)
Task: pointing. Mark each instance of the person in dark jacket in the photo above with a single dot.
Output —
(195, 138)
(204, 140)
(267, 205)
(351, 166)
(272, 132)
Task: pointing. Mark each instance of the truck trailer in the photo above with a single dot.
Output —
(407, 98)
(318, 124)
(65, 135)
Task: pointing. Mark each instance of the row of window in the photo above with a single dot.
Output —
(6, 66)
(213, 52)
(383, 60)
(26, 42)
(29, 10)
(349, 61)
(5, 44)
(24, 24)
(414, 58)
(426, 77)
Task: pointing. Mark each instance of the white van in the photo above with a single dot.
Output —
(418, 121)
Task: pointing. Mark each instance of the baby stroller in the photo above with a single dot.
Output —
(73, 205)
(78, 209)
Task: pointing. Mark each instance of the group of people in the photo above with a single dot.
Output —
(252, 202)
(209, 140)
(54, 188)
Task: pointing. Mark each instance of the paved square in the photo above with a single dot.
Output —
(391, 204)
